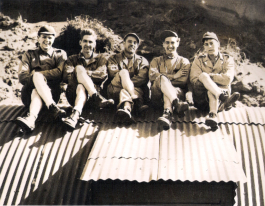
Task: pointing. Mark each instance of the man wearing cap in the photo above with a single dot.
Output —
(40, 72)
(211, 75)
(169, 78)
(85, 73)
(128, 73)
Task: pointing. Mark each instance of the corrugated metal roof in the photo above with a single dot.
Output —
(45, 166)
(186, 152)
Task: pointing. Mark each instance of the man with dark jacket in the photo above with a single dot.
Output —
(128, 73)
(85, 72)
(40, 72)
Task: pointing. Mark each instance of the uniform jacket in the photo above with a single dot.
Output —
(157, 68)
(222, 73)
(97, 65)
(50, 64)
(138, 70)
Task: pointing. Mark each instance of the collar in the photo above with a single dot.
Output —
(125, 57)
(165, 56)
(49, 52)
(81, 56)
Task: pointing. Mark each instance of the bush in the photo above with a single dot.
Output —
(107, 41)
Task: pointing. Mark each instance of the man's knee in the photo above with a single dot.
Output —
(204, 77)
(38, 77)
(79, 69)
(124, 73)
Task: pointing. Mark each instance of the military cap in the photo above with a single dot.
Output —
(132, 34)
(46, 30)
(209, 35)
(167, 33)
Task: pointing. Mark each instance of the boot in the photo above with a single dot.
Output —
(165, 120)
(72, 120)
(227, 104)
(124, 115)
(56, 111)
(100, 101)
(26, 123)
(180, 107)
(211, 121)
(139, 107)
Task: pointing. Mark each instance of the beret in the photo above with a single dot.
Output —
(167, 33)
(132, 34)
(46, 30)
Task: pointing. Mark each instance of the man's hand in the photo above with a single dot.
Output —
(181, 73)
(89, 73)
(189, 98)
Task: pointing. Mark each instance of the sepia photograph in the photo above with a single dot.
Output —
(132, 102)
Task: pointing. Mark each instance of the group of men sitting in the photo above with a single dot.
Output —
(175, 82)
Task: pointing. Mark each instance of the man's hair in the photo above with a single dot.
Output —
(89, 32)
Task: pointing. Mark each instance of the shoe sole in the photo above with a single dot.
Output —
(106, 103)
(228, 103)
(125, 117)
(164, 123)
(24, 126)
(211, 123)
(69, 124)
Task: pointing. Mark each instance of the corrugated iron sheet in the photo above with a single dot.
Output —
(187, 152)
(45, 166)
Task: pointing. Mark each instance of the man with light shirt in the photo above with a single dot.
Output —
(128, 73)
(211, 75)
(85, 72)
(169, 78)
(40, 72)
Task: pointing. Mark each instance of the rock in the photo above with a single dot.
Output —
(239, 86)
(262, 104)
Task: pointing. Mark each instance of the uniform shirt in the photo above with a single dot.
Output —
(167, 66)
(138, 68)
(96, 64)
(50, 64)
(222, 72)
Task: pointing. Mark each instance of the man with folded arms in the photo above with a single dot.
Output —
(211, 75)
(169, 78)
(128, 73)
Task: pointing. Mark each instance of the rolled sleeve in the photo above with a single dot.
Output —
(142, 77)
(195, 71)
(153, 70)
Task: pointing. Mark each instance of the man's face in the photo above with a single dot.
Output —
(171, 44)
(211, 46)
(46, 41)
(130, 45)
(88, 44)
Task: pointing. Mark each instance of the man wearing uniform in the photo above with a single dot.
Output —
(128, 73)
(211, 76)
(85, 73)
(169, 78)
(40, 72)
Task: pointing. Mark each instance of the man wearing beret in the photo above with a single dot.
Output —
(85, 73)
(40, 72)
(211, 75)
(169, 78)
(128, 73)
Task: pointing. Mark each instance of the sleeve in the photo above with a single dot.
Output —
(56, 73)
(24, 72)
(196, 70)
(153, 70)
(100, 73)
(142, 77)
(182, 80)
(68, 69)
(112, 67)
(227, 75)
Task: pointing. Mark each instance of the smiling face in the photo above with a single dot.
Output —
(171, 44)
(130, 45)
(211, 46)
(88, 44)
(46, 41)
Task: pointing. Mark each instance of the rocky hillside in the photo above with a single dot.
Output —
(148, 20)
